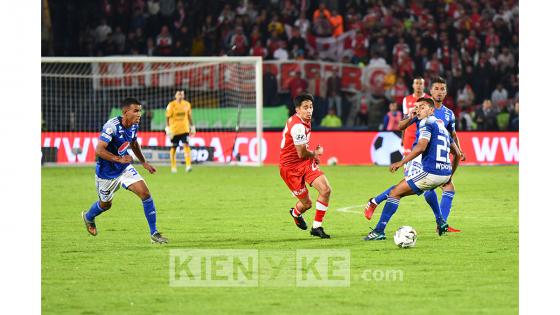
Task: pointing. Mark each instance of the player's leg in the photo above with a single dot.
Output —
(427, 182)
(187, 150)
(400, 190)
(322, 185)
(295, 182)
(303, 204)
(173, 152)
(105, 191)
(431, 198)
(447, 195)
(373, 202)
(135, 183)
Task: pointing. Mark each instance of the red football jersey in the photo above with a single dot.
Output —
(296, 132)
(410, 132)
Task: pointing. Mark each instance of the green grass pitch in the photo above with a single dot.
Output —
(120, 271)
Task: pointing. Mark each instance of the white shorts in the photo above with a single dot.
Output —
(425, 181)
(106, 188)
(413, 167)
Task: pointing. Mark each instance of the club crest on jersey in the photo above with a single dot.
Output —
(123, 148)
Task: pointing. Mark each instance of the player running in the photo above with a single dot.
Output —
(434, 144)
(114, 168)
(298, 166)
(178, 127)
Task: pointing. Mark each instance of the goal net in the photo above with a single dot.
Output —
(78, 95)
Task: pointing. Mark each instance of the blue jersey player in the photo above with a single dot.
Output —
(438, 91)
(114, 168)
(434, 144)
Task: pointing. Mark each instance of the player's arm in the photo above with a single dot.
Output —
(304, 154)
(191, 123)
(102, 152)
(407, 121)
(168, 114)
(135, 146)
(418, 149)
(456, 152)
(460, 153)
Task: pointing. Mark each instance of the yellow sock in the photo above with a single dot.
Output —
(172, 156)
(187, 155)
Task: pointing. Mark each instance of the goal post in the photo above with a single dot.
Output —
(78, 94)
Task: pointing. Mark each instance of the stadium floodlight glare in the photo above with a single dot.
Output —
(78, 94)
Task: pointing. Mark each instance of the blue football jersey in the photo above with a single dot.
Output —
(118, 139)
(444, 114)
(435, 159)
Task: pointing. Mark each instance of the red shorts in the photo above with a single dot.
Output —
(295, 176)
(407, 144)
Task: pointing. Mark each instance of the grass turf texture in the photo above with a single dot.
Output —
(120, 271)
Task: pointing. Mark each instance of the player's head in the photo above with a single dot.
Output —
(438, 89)
(131, 110)
(304, 105)
(418, 84)
(180, 95)
(425, 107)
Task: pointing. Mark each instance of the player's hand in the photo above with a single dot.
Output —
(149, 168)
(318, 153)
(125, 159)
(193, 130)
(395, 166)
(168, 132)
(463, 156)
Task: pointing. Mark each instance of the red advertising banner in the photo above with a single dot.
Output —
(348, 147)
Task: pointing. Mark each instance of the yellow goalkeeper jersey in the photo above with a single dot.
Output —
(178, 114)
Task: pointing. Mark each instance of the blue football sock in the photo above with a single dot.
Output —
(446, 201)
(383, 196)
(388, 210)
(431, 199)
(150, 213)
(94, 211)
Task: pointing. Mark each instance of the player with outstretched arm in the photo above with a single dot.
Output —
(114, 168)
(299, 165)
(434, 144)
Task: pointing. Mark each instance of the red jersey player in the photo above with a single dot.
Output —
(298, 166)
(409, 134)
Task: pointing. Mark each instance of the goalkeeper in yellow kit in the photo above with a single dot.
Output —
(179, 126)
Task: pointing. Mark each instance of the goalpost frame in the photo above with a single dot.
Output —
(257, 61)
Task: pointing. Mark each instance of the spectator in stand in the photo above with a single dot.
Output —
(258, 50)
(239, 42)
(281, 53)
(102, 32)
(186, 40)
(360, 46)
(434, 66)
(485, 117)
(466, 95)
(151, 50)
(164, 42)
(331, 120)
(321, 25)
(362, 118)
(270, 88)
(400, 49)
(209, 35)
(334, 99)
(392, 118)
(398, 92)
(275, 26)
(297, 85)
(302, 24)
(377, 61)
(179, 17)
(273, 43)
(514, 118)
(506, 60)
(119, 39)
(337, 23)
(321, 11)
(296, 39)
(500, 96)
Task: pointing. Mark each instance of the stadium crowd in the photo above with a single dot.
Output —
(473, 44)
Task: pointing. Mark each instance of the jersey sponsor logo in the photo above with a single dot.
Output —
(442, 166)
(299, 191)
(301, 137)
(122, 149)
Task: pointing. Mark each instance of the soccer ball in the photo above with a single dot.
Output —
(386, 148)
(332, 161)
(405, 237)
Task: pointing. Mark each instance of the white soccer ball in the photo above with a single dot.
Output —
(332, 161)
(405, 237)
